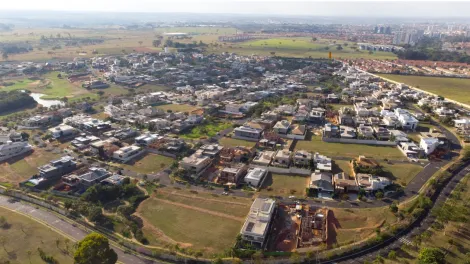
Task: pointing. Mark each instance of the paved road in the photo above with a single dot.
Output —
(57, 223)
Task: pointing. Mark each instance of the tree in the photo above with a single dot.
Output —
(156, 42)
(100, 93)
(466, 153)
(339, 47)
(140, 42)
(94, 249)
(273, 53)
(431, 256)
(5, 56)
(392, 254)
(314, 39)
(29, 255)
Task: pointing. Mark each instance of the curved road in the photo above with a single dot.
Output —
(72, 231)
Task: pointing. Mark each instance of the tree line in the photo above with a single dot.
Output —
(14, 99)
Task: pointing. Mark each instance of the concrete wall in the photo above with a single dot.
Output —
(291, 170)
(360, 141)
(163, 153)
(245, 138)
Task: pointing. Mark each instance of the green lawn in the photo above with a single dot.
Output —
(53, 87)
(151, 163)
(177, 107)
(401, 173)
(300, 47)
(285, 185)
(233, 142)
(348, 150)
(202, 231)
(452, 88)
(205, 130)
(24, 234)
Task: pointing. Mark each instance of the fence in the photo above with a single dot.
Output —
(163, 153)
(291, 170)
(360, 141)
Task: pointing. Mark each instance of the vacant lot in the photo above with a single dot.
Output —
(22, 168)
(232, 142)
(285, 185)
(188, 226)
(177, 107)
(234, 207)
(401, 173)
(349, 225)
(342, 166)
(150, 163)
(348, 150)
(452, 88)
(206, 130)
(24, 235)
(302, 47)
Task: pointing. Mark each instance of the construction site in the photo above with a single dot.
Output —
(299, 226)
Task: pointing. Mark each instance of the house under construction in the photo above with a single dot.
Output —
(313, 227)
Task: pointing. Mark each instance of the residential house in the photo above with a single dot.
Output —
(232, 175)
(344, 184)
(12, 149)
(331, 131)
(371, 183)
(407, 121)
(297, 132)
(62, 131)
(321, 183)
(302, 158)
(146, 139)
(211, 150)
(264, 158)
(125, 154)
(282, 158)
(255, 177)
(83, 142)
(282, 127)
(347, 132)
(411, 150)
(256, 228)
(115, 179)
(88, 179)
(235, 154)
(365, 132)
(57, 168)
(429, 145)
(196, 164)
(247, 132)
(382, 133)
(322, 163)
(38, 121)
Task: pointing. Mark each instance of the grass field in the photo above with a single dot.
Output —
(189, 227)
(205, 130)
(451, 88)
(151, 163)
(349, 225)
(342, 166)
(24, 234)
(238, 207)
(402, 173)
(301, 47)
(233, 142)
(285, 185)
(348, 150)
(22, 169)
(52, 87)
(177, 107)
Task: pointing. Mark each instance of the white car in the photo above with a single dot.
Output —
(292, 197)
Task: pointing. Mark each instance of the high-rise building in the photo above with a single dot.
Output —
(376, 29)
(388, 30)
(382, 30)
(407, 37)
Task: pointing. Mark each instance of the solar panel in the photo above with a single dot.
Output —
(250, 226)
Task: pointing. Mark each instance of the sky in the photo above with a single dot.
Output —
(352, 8)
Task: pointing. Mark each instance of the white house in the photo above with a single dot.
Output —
(257, 224)
(125, 154)
(255, 177)
(62, 131)
(429, 145)
(11, 149)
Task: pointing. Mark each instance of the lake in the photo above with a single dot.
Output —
(45, 103)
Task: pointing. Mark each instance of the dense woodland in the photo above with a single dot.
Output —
(13, 100)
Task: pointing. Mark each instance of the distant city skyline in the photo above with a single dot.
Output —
(433, 9)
